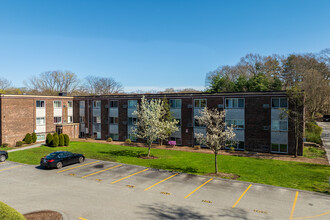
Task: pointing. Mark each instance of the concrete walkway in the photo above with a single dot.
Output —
(326, 137)
(28, 147)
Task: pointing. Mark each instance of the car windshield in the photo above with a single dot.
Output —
(53, 155)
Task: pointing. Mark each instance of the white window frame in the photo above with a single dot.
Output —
(41, 135)
(70, 117)
(81, 104)
(279, 147)
(279, 102)
(232, 101)
(113, 101)
(44, 120)
(56, 102)
(114, 138)
(175, 102)
(279, 125)
(199, 103)
(96, 119)
(130, 105)
(236, 145)
(58, 122)
(41, 101)
(71, 104)
(96, 105)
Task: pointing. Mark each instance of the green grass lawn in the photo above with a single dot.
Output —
(312, 177)
(313, 152)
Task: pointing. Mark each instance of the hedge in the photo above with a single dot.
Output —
(49, 139)
(66, 140)
(28, 138)
(34, 137)
(313, 132)
(7, 212)
(61, 140)
(55, 140)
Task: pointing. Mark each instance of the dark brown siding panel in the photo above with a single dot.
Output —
(187, 118)
(122, 117)
(256, 117)
(104, 119)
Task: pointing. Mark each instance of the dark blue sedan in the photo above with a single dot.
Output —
(59, 159)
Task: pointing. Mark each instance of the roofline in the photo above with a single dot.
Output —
(36, 96)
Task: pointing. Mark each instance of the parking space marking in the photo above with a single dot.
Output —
(161, 181)
(198, 188)
(91, 174)
(294, 206)
(129, 176)
(241, 196)
(82, 218)
(77, 166)
(10, 168)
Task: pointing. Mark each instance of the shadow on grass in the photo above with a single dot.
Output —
(125, 153)
(163, 211)
(175, 168)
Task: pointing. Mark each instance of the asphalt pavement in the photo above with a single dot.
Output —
(325, 137)
(97, 190)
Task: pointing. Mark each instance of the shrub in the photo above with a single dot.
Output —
(49, 139)
(231, 149)
(313, 133)
(28, 138)
(19, 143)
(34, 137)
(4, 145)
(61, 140)
(66, 140)
(172, 143)
(109, 139)
(128, 141)
(7, 212)
(55, 140)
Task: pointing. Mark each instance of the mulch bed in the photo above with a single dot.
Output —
(323, 161)
(43, 215)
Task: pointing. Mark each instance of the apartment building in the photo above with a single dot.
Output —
(257, 116)
(22, 114)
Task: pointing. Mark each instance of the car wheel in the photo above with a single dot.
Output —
(59, 165)
(81, 159)
(2, 158)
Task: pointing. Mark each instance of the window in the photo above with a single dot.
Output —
(97, 104)
(200, 103)
(132, 103)
(132, 121)
(114, 136)
(278, 125)
(40, 104)
(41, 137)
(114, 120)
(97, 119)
(82, 119)
(57, 120)
(113, 104)
(175, 103)
(177, 140)
(69, 119)
(57, 104)
(82, 104)
(237, 124)
(199, 125)
(279, 102)
(69, 104)
(132, 137)
(239, 145)
(279, 148)
(40, 121)
(234, 103)
(178, 124)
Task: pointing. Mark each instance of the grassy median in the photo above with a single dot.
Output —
(312, 177)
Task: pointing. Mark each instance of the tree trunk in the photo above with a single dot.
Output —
(216, 162)
(160, 142)
(149, 150)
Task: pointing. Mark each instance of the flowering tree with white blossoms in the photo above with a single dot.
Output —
(150, 124)
(217, 133)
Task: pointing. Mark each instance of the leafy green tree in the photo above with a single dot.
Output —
(28, 138)
(66, 140)
(276, 85)
(49, 139)
(258, 83)
(241, 84)
(61, 140)
(34, 137)
(221, 84)
(55, 141)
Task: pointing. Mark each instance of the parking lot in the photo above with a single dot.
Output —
(106, 190)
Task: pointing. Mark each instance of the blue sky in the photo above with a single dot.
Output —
(153, 44)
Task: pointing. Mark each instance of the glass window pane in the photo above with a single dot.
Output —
(275, 103)
(283, 125)
(275, 147)
(284, 103)
(283, 148)
(197, 103)
(275, 125)
(240, 103)
(178, 103)
(172, 103)
(235, 103)
(241, 145)
(203, 103)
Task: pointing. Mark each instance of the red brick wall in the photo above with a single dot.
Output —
(122, 117)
